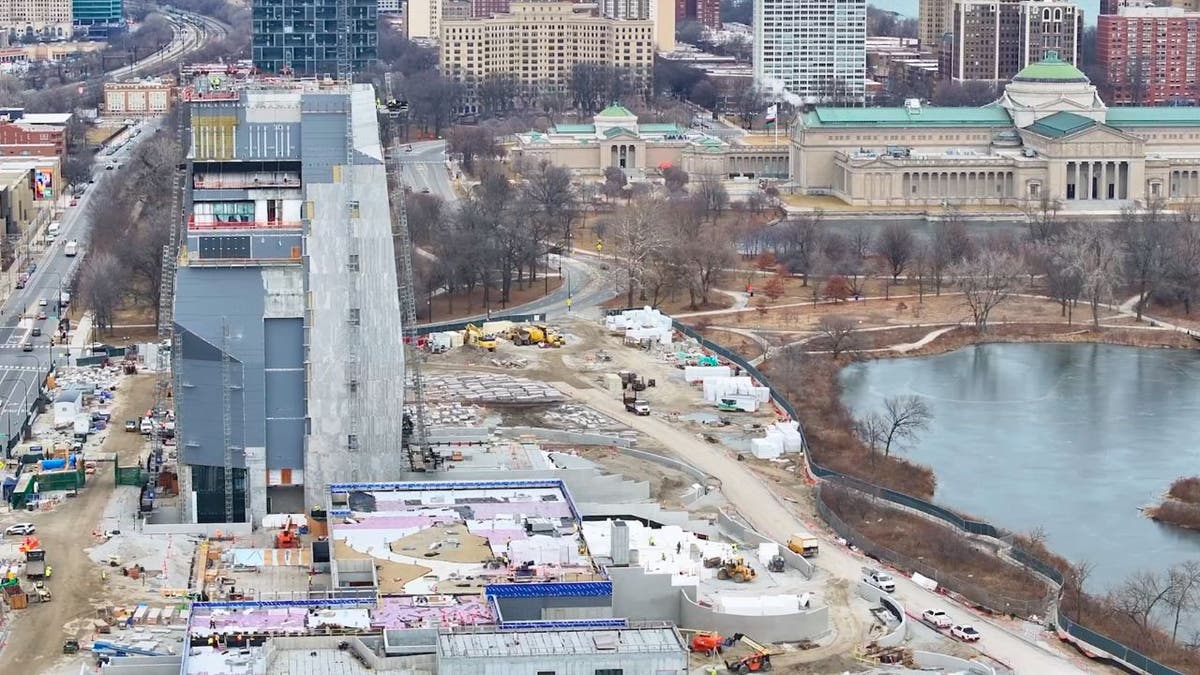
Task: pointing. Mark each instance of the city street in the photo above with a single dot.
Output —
(21, 371)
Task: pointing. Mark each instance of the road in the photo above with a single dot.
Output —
(21, 371)
(749, 494)
(424, 169)
(190, 32)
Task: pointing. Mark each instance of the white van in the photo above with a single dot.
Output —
(52, 231)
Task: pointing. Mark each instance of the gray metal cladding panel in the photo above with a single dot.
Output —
(276, 246)
(200, 409)
(222, 195)
(285, 444)
(285, 393)
(265, 140)
(324, 138)
(224, 246)
(284, 340)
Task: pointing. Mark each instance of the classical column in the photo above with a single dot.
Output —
(1087, 180)
(1103, 180)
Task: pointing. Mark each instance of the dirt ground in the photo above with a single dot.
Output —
(38, 632)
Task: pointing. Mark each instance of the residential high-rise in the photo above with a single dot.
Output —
(423, 19)
(554, 38)
(264, 301)
(707, 12)
(300, 36)
(1150, 55)
(813, 49)
(661, 12)
(933, 22)
(993, 40)
(45, 19)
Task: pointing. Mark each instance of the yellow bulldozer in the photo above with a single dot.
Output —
(737, 570)
(473, 335)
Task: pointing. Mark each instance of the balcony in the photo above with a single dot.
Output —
(193, 224)
(258, 179)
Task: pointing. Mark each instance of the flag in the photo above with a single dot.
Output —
(772, 114)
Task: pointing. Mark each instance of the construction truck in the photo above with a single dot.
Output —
(744, 655)
(473, 335)
(535, 334)
(287, 537)
(737, 570)
(804, 544)
(35, 563)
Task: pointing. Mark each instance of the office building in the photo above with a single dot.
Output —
(485, 8)
(661, 12)
(555, 37)
(933, 22)
(991, 40)
(299, 37)
(1150, 55)
(813, 49)
(43, 19)
(288, 265)
(97, 12)
(707, 12)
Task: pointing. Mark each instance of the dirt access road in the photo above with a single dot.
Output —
(751, 496)
(35, 643)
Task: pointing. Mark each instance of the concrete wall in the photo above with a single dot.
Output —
(900, 634)
(565, 437)
(809, 625)
(555, 608)
(652, 663)
(197, 529)
(945, 662)
(145, 665)
(644, 597)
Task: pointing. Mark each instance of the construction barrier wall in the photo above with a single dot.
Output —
(1093, 641)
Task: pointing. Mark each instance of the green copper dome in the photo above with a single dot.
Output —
(1050, 69)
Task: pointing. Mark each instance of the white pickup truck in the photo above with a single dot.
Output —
(879, 579)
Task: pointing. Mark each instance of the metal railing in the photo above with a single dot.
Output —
(193, 224)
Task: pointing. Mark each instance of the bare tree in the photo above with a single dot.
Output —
(715, 197)
(897, 245)
(1042, 219)
(871, 430)
(1145, 235)
(1184, 594)
(949, 244)
(1093, 255)
(841, 334)
(1138, 595)
(903, 417)
(100, 283)
(986, 283)
(614, 182)
(638, 243)
(798, 241)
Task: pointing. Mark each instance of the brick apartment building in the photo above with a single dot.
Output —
(993, 40)
(22, 139)
(1150, 55)
(707, 12)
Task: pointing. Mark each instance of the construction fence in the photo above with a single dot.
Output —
(1094, 640)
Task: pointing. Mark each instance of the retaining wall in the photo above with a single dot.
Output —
(945, 662)
(735, 529)
(900, 634)
(805, 625)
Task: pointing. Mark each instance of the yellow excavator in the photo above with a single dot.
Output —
(535, 334)
(473, 335)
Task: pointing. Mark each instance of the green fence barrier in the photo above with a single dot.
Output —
(1100, 642)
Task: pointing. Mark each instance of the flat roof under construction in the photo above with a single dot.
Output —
(494, 644)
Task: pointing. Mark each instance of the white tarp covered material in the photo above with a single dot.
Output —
(699, 373)
(496, 327)
(717, 387)
(280, 520)
(766, 551)
(341, 618)
(646, 317)
(764, 448)
(543, 550)
(779, 438)
(924, 581)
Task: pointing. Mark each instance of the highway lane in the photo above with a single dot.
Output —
(190, 32)
(21, 371)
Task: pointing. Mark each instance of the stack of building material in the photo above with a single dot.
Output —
(780, 437)
(641, 325)
(719, 387)
(692, 374)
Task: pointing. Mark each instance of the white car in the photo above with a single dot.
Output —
(20, 529)
(42, 302)
(965, 632)
(936, 618)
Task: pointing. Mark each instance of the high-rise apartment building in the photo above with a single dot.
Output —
(288, 255)
(45, 19)
(1150, 55)
(540, 43)
(933, 22)
(993, 40)
(661, 12)
(300, 36)
(814, 49)
(423, 19)
(707, 12)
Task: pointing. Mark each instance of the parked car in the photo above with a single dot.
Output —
(965, 632)
(131, 425)
(20, 529)
(37, 331)
(936, 618)
(879, 579)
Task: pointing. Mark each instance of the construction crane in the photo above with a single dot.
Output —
(421, 456)
(168, 349)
